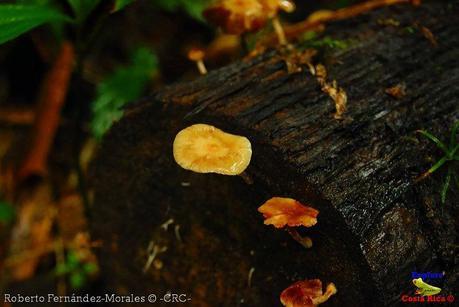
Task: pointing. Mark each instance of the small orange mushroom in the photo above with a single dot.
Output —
(288, 212)
(206, 149)
(242, 16)
(281, 211)
(197, 55)
(236, 16)
(306, 293)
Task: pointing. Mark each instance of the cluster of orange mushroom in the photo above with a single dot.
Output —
(242, 16)
(204, 148)
(239, 17)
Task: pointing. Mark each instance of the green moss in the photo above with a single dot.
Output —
(6, 212)
(409, 30)
(310, 39)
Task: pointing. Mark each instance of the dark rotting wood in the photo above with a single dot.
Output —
(376, 224)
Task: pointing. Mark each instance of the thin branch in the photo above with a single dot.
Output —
(297, 29)
(49, 105)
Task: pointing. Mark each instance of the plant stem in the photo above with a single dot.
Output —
(445, 187)
(279, 31)
(201, 67)
(49, 105)
(297, 29)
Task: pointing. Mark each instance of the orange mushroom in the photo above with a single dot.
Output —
(197, 55)
(288, 212)
(306, 293)
(205, 149)
(288, 7)
(242, 16)
(281, 211)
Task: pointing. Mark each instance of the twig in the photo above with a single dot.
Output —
(429, 36)
(153, 250)
(49, 105)
(166, 224)
(40, 251)
(296, 29)
(16, 116)
(249, 277)
(29, 254)
(177, 234)
(60, 260)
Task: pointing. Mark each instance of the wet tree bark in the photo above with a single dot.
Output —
(376, 224)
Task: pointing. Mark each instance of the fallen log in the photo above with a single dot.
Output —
(164, 228)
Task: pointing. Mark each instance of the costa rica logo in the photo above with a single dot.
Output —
(424, 288)
(425, 292)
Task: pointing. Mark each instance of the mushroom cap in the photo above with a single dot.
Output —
(281, 211)
(205, 149)
(286, 5)
(196, 54)
(241, 16)
(237, 16)
(306, 293)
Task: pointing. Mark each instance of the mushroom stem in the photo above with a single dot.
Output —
(279, 31)
(201, 67)
(329, 291)
(246, 177)
(197, 55)
(305, 241)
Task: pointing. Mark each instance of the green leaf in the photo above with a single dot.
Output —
(120, 4)
(437, 165)
(453, 137)
(124, 85)
(410, 30)
(90, 267)
(35, 2)
(308, 35)
(435, 140)
(77, 279)
(445, 187)
(82, 8)
(18, 19)
(193, 8)
(6, 212)
(452, 152)
(61, 269)
(72, 260)
(167, 5)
